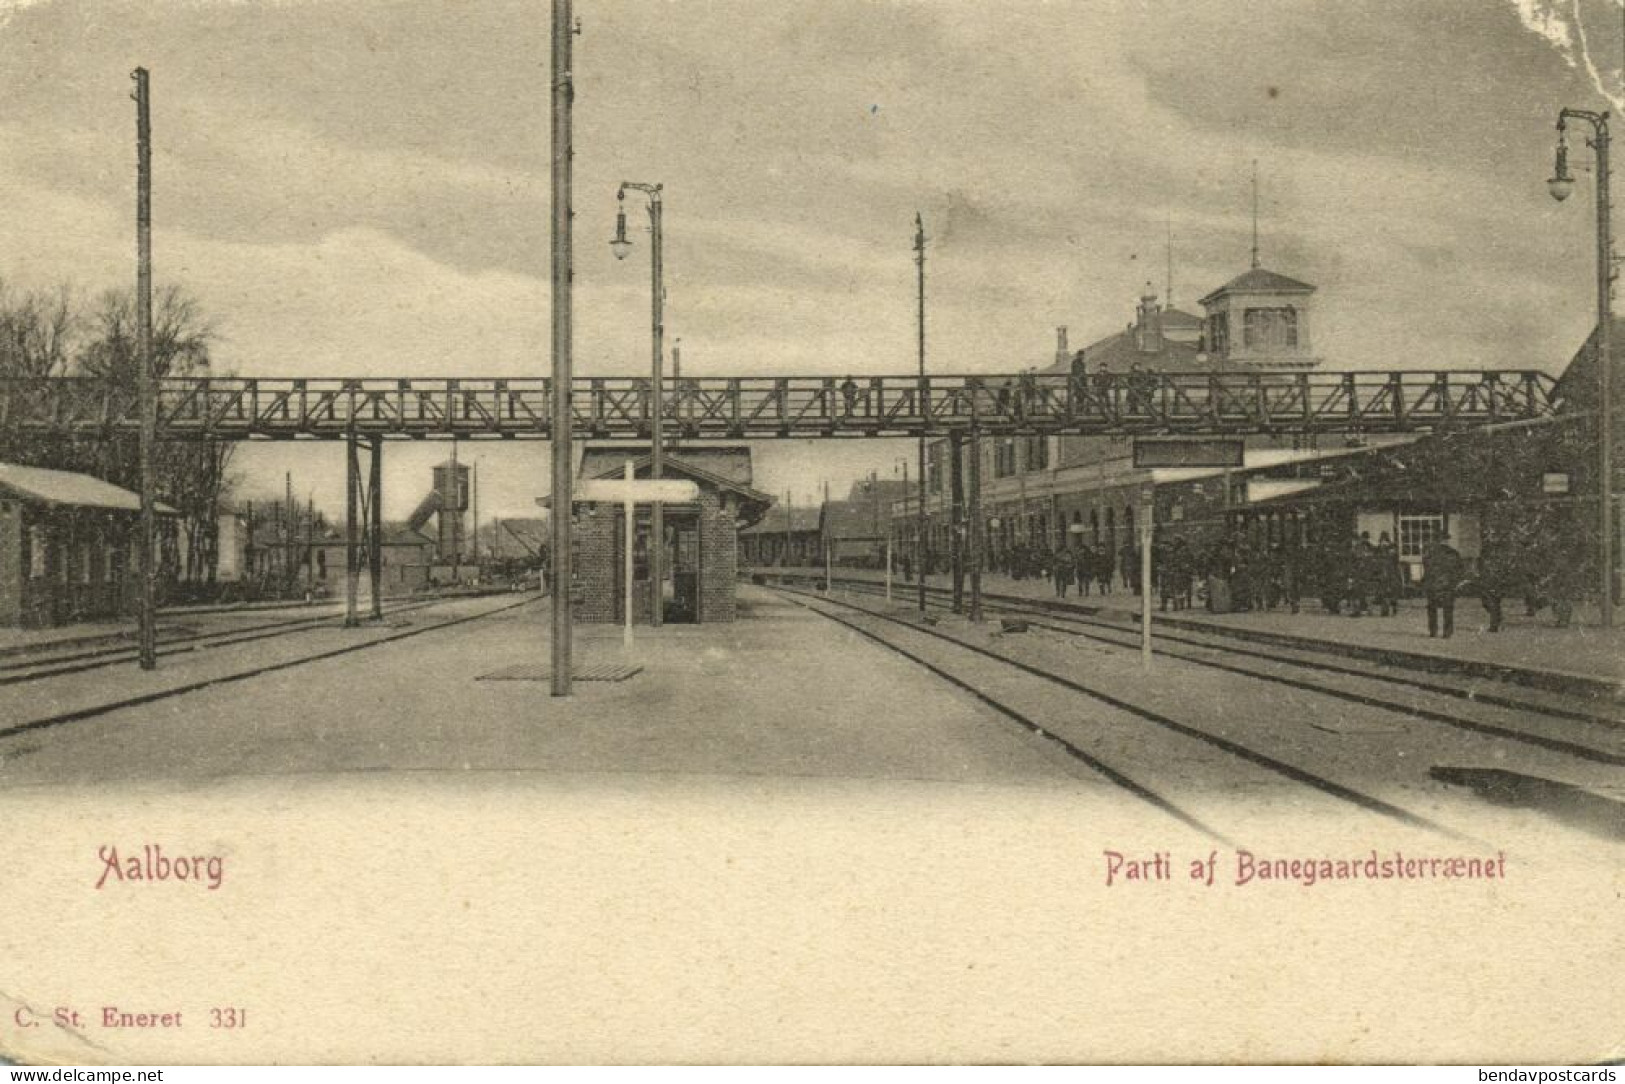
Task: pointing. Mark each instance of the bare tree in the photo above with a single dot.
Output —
(192, 476)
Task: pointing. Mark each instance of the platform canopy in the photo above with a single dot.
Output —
(68, 489)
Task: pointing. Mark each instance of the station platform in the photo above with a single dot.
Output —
(1583, 659)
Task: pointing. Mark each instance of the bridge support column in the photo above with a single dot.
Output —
(956, 481)
(352, 492)
(976, 524)
(375, 550)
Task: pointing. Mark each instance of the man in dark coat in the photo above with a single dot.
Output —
(1388, 577)
(1496, 576)
(1441, 576)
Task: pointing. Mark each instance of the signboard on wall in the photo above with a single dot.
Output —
(1188, 452)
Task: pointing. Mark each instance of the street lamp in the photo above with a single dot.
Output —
(621, 246)
(1560, 185)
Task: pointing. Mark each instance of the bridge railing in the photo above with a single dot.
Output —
(766, 406)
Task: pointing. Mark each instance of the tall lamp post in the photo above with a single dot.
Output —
(657, 453)
(1561, 185)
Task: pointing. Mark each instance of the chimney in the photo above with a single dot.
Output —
(1062, 354)
(1148, 323)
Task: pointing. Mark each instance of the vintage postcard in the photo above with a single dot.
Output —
(725, 531)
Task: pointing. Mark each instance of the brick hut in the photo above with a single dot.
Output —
(702, 537)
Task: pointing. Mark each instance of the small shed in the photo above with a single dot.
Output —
(701, 547)
(68, 547)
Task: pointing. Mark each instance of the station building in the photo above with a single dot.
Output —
(1042, 491)
(1522, 483)
(701, 564)
(69, 547)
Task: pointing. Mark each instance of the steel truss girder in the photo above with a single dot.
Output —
(232, 408)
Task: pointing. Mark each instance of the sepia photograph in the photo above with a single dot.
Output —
(906, 532)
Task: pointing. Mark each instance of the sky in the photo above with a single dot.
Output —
(360, 188)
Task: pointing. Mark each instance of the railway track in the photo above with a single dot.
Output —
(1601, 739)
(35, 668)
(1145, 741)
(107, 707)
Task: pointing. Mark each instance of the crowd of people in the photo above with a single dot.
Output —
(1352, 575)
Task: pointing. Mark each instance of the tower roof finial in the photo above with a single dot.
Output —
(1168, 294)
(1255, 213)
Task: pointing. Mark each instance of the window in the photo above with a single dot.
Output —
(1270, 329)
(1004, 457)
(1416, 531)
(1218, 333)
(37, 542)
(1037, 454)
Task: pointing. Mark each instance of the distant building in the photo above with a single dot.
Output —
(69, 547)
(408, 558)
(784, 537)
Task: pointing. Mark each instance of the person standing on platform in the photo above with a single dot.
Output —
(1061, 570)
(1331, 576)
(1083, 566)
(1495, 579)
(1388, 577)
(1441, 578)
(1357, 569)
(1105, 569)
(1292, 559)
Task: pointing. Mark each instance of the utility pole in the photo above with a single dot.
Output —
(829, 547)
(956, 464)
(475, 486)
(925, 397)
(916, 558)
(563, 94)
(684, 408)
(976, 541)
(146, 379)
(456, 515)
(289, 541)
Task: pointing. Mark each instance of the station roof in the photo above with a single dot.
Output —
(1260, 280)
(731, 463)
(719, 468)
(1121, 352)
(879, 489)
(849, 520)
(802, 521)
(68, 489)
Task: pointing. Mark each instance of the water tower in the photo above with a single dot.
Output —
(451, 485)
